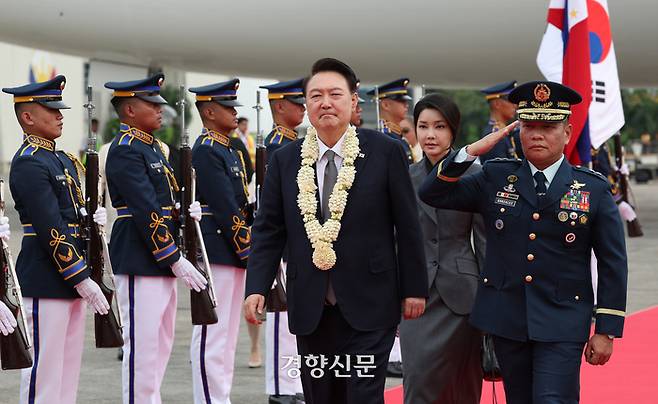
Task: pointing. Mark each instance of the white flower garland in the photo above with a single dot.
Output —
(322, 236)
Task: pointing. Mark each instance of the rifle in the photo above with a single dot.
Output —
(261, 154)
(15, 347)
(107, 327)
(379, 124)
(202, 303)
(634, 228)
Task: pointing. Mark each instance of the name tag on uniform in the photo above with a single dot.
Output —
(506, 198)
(156, 165)
(235, 169)
(60, 177)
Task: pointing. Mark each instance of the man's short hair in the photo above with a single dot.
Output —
(333, 65)
(242, 119)
(94, 121)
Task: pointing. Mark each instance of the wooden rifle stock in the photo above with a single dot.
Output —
(15, 347)
(633, 227)
(202, 303)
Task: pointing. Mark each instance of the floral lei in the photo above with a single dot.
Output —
(322, 236)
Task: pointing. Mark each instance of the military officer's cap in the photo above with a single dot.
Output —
(224, 93)
(395, 90)
(544, 101)
(147, 89)
(290, 90)
(47, 93)
(499, 90)
(358, 91)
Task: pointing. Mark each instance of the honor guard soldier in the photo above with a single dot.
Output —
(501, 112)
(51, 267)
(222, 190)
(393, 107)
(356, 120)
(287, 106)
(543, 218)
(144, 254)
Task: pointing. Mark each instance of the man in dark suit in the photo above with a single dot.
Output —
(543, 218)
(359, 209)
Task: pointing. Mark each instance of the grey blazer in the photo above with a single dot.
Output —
(453, 266)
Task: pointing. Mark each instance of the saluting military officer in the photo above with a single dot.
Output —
(287, 105)
(144, 254)
(222, 191)
(543, 217)
(393, 107)
(501, 112)
(51, 268)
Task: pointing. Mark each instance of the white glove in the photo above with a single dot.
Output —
(7, 320)
(100, 216)
(91, 293)
(4, 228)
(624, 169)
(626, 211)
(195, 211)
(193, 279)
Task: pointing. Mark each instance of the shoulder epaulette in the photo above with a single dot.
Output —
(29, 150)
(591, 172)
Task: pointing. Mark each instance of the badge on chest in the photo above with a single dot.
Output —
(575, 199)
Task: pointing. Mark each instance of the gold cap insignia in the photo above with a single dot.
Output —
(542, 92)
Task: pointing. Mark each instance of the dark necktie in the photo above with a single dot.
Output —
(330, 177)
(540, 179)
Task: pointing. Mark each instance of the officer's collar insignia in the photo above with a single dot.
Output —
(136, 133)
(512, 178)
(216, 136)
(38, 141)
(542, 92)
(577, 185)
(286, 132)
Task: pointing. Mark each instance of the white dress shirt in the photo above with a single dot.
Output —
(322, 161)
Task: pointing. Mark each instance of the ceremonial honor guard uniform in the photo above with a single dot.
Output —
(510, 147)
(395, 90)
(51, 267)
(535, 294)
(222, 191)
(143, 250)
(279, 342)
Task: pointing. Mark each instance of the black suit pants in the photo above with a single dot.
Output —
(334, 337)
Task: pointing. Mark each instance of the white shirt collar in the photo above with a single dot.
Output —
(322, 148)
(549, 171)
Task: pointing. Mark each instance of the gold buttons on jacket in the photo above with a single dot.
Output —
(528, 278)
(535, 216)
(531, 257)
(532, 236)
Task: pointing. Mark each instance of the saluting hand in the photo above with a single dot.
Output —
(598, 350)
(253, 308)
(488, 142)
(413, 307)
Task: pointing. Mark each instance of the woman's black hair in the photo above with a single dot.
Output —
(445, 105)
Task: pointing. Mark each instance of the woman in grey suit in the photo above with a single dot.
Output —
(441, 350)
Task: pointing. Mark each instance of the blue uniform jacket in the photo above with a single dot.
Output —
(142, 186)
(394, 132)
(222, 191)
(537, 282)
(278, 137)
(45, 185)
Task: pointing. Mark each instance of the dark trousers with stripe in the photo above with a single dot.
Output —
(334, 336)
(540, 372)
